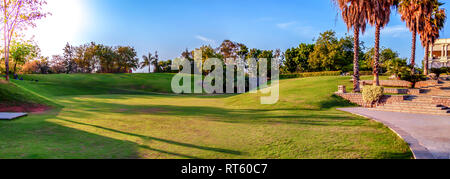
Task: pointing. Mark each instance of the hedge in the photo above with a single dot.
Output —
(363, 73)
(310, 74)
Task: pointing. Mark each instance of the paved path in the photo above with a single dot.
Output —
(11, 116)
(428, 135)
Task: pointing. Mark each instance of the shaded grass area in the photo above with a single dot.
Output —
(304, 124)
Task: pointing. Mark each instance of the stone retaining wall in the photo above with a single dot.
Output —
(389, 83)
(402, 91)
(424, 84)
(445, 101)
(357, 98)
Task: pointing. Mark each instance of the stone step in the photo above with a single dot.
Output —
(401, 108)
(420, 101)
(414, 112)
(419, 97)
(414, 104)
(407, 106)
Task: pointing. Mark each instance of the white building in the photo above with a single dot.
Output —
(439, 54)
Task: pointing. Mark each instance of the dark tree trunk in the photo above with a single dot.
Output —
(427, 55)
(15, 67)
(356, 85)
(6, 52)
(376, 70)
(413, 52)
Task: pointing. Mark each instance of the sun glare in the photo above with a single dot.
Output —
(68, 19)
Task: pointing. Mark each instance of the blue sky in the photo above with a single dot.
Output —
(170, 26)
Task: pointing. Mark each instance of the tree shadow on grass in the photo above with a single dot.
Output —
(334, 102)
(245, 116)
(36, 137)
(33, 137)
(396, 155)
(219, 150)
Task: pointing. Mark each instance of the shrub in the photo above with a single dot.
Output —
(440, 71)
(310, 74)
(372, 94)
(413, 78)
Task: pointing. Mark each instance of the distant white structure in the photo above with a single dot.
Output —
(439, 54)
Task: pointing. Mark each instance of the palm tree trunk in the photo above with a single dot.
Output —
(427, 55)
(413, 52)
(376, 71)
(356, 85)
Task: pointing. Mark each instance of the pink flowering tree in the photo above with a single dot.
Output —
(16, 16)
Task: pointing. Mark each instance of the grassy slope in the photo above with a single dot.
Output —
(11, 94)
(93, 84)
(304, 124)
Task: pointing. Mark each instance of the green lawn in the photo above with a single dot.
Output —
(117, 116)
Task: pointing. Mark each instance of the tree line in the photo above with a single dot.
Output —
(330, 53)
(327, 53)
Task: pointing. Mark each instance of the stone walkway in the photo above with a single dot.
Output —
(11, 116)
(427, 135)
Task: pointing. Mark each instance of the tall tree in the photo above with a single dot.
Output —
(331, 53)
(21, 52)
(379, 13)
(354, 14)
(296, 59)
(229, 49)
(126, 59)
(147, 62)
(433, 22)
(16, 15)
(386, 54)
(243, 51)
(155, 63)
(69, 58)
(412, 13)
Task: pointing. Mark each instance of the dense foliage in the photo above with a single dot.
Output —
(412, 77)
(440, 71)
(297, 58)
(310, 74)
(331, 53)
(88, 58)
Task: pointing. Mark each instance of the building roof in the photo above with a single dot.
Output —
(442, 41)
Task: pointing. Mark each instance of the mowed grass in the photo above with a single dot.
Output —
(105, 116)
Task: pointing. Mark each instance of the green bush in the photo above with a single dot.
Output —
(310, 74)
(372, 94)
(440, 71)
(413, 78)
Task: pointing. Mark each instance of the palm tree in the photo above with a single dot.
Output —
(354, 13)
(147, 61)
(379, 13)
(433, 22)
(412, 12)
(155, 62)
